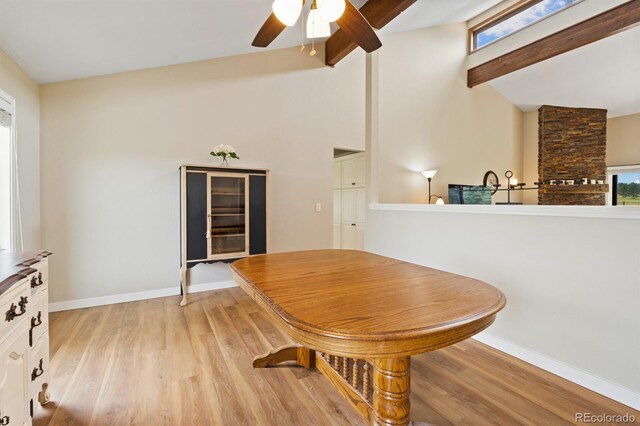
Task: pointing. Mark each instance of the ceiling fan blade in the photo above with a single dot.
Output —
(358, 29)
(271, 29)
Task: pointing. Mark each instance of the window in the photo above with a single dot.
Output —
(520, 16)
(8, 190)
(625, 185)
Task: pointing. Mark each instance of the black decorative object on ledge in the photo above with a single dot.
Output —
(509, 174)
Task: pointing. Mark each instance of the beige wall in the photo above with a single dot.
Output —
(19, 85)
(530, 155)
(623, 140)
(429, 119)
(111, 147)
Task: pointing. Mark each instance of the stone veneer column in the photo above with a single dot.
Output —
(572, 145)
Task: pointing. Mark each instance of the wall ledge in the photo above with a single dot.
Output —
(596, 212)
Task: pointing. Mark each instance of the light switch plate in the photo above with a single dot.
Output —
(318, 207)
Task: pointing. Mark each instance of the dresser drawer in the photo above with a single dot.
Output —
(14, 307)
(38, 281)
(38, 364)
(14, 387)
(38, 317)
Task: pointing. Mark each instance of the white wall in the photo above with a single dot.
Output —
(25, 91)
(429, 119)
(571, 283)
(111, 147)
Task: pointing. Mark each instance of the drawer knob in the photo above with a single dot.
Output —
(5, 420)
(13, 310)
(38, 371)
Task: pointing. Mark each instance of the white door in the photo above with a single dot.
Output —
(348, 214)
(359, 237)
(359, 205)
(13, 378)
(359, 172)
(348, 174)
(348, 236)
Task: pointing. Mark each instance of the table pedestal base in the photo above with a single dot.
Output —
(378, 389)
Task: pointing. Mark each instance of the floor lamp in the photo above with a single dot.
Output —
(429, 174)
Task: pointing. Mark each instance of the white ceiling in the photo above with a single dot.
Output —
(605, 74)
(56, 40)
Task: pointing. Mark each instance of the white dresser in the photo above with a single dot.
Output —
(24, 335)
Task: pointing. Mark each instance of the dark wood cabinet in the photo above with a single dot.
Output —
(223, 215)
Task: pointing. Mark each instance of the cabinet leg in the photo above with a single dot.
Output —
(44, 395)
(183, 283)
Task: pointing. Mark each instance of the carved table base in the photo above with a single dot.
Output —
(388, 404)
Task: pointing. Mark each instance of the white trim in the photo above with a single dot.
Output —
(629, 169)
(603, 387)
(597, 212)
(7, 102)
(140, 295)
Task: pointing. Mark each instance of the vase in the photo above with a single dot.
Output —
(224, 161)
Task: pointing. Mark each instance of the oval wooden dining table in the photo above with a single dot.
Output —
(359, 317)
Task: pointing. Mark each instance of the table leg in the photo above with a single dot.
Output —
(391, 387)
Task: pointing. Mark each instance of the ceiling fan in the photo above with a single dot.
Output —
(342, 12)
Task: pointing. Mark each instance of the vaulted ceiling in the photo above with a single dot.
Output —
(56, 40)
(603, 74)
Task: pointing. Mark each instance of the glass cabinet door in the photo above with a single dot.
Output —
(227, 215)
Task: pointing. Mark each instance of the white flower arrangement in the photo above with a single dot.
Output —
(224, 151)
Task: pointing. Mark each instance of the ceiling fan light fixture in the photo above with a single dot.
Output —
(287, 11)
(331, 10)
(316, 26)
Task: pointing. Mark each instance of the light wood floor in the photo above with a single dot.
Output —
(154, 363)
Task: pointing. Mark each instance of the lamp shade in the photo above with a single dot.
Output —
(429, 173)
(439, 201)
(287, 11)
(316, 26)
(331, 10)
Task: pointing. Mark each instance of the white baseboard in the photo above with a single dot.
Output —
(132, 297)
(603, 387)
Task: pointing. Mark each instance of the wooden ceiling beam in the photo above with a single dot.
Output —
(606, 24)
(378, 12)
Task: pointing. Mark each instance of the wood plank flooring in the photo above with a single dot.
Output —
(154, 363)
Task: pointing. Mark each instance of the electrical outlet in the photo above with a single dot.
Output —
(318, 207)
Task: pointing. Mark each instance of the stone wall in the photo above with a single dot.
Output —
(572, 145)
